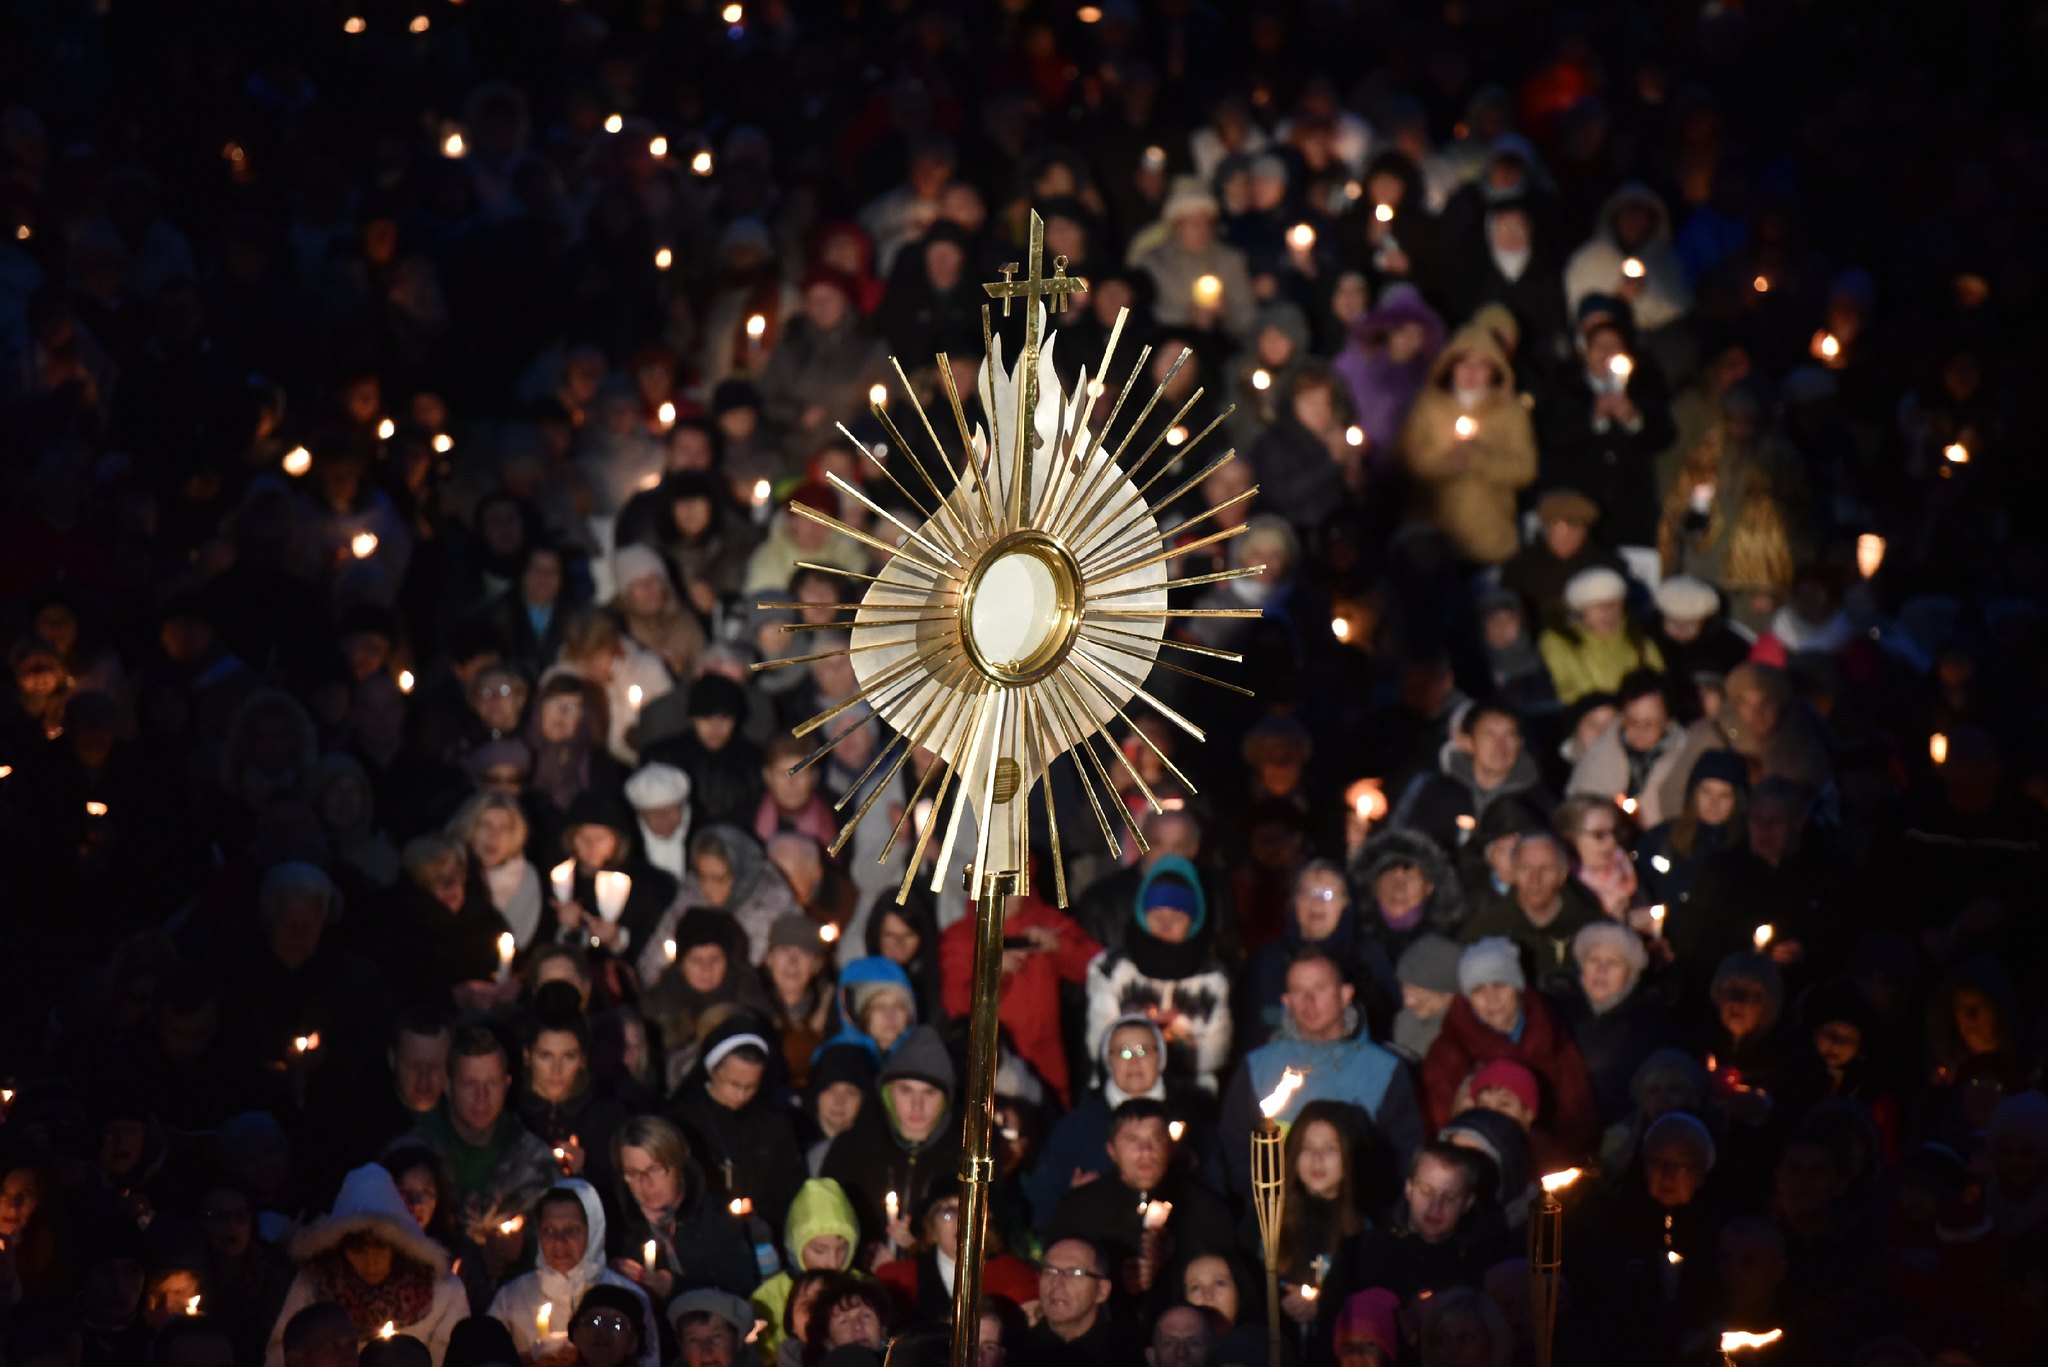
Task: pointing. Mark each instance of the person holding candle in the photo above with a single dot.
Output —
(1329, 1156)
(731, 876)
(1605, 419)
(922, 1278)
(707, 980)
(1635, 756)
(820, 1234)
(1591, 826)
(570, 1239)
(493, 827)
(1199, 280)
(1469, 446)
(1436, 1239)
(664, 1198)
(598, 837)
(596, 651)
(730, 1109)
(1729, 514)
(557, 1099)
(1133, 1063)
(904, 1144)
(368, 1255)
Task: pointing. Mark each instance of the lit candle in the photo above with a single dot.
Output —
(1176, 435)
(614, 123)
(1621, 367)
(878, 394)
(732, 14)
(100, 808)
(511, 1227)
(648, 1252)
(192, 1305)
(507, 948)
(297, 461)
(635, 695)
(666, 414)
(563, 878)
(1632, 268)
(1354, 435)
(740, 1207)
(663, 258)
(389, 1331)
(1383, 213)
(443, 443)
(1340, 628)
(306, 1044)
(1762, 284)
(1657, 915)
(1660, 863)
(1262, 380)
(363, 545)
(1465, 426)
(1208, 291)
(353, 24)
(1955, 453)
(657, 147)
(1368, 799)
(1309, 1293)
(1761, 937)
(829, 933)
(1155, 1214)
(1826, 346)
(1937, 750)
(543, 1321)
(386, 430)
(1626, 803)
(452, 145)
(1869, 554)
(668, 947)
(406, 681)
(762, 488)
(612, 889)
(1301, 237)
(1175, 1129)
(701, 164)
(420, 24)
(1466, 824)
(890, 1204)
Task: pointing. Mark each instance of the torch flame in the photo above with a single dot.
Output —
(1276, 1102)
(1762, 936)
(1555, 1182)
(1734, 1341)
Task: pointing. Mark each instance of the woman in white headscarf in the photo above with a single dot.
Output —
(660, 797)
(569, 1238)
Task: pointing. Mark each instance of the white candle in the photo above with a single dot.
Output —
(1157, 1213)
(363, 545)
(648, 1253)
(1466, 427)
(1657, 915)
(889, 1204)
(1762, 936)
(1208, 291)
(562, 877)
(612, 887)
(508, 947)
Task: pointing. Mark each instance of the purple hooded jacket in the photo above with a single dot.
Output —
(1382, 390)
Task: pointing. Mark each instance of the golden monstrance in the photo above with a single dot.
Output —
(1010, 628)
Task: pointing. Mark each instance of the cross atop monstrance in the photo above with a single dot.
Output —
(1056, 290)
(1006, 630)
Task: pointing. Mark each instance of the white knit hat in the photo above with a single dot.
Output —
(1683, 598)
(636, 562)
(657, 785)
(1492, 960)
(1589, 586)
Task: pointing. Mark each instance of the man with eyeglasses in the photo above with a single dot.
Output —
(1133, 1062)
(1074, 1328)
(1322, 1040)
(569, 1231)
(1111, 1212)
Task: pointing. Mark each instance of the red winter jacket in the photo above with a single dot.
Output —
(1029, 1007)
(1568, 1115)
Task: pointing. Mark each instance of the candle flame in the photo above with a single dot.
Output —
(1354, 435)
(1175, 1129)
(666, 414)
(1632, 268)
(762, 488)
(1262, 379)
(614, 123)
(1555, 1182)
(755, 1332)
(740, 1206)
(540, 1321)
(1467, 822)
(757, 326)
(1937, 749)
(701, 165)
(513, 1226)
(1827, 346)
(192, 1305)
(668, 947)
(1734, 1341)
(657, 147)
(95, 809)
(1762, 284)
(1674, 1257)
(829, 933)
(1276, 1101)
(1309, 1293)
(443, 443)
(1626, 803)
(1955, 453)
(1340, 628)
(1465, 425)
(732, 14)
(406, 681)
(1660, 863)
(649, 1251)
(890, 1203)
(1869, 554)
(1659, 912)
(634, 694)
(1176, 435)
(353, 24)
(1761, 937)
(1208, 291)
(363, 545)
(507, 947)
(297, 461)
(386, 430)
(1301, 237)
(1154, 1214)
(878, 394)
(420, 24)
(1621, 367)
(307, 1043)
(1383, 213)
(663, 258)
(453, 146)
(1368, 799)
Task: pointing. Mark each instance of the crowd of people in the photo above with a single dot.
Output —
(433, 946)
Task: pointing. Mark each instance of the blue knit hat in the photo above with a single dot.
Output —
(1176, 894)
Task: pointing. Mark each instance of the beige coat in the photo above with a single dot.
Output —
(1467, 485)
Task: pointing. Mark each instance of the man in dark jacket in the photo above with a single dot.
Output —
(1435, 1240)
(1115, 1212)
(1075, 1329)
(1077, 1151)
(907, 1142)
(1543, 908)
(1484, 762)
(1604, 422)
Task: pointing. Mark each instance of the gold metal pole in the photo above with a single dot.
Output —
(977, 1120)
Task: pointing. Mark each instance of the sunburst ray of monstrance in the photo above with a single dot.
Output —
(1015, 625)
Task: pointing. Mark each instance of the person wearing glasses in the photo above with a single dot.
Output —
(609, 1329)
(569, 1232)
(923, 1278)
(1074, 1327)
(1133, 1058)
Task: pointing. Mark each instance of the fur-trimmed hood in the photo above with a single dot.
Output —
(1445, 913)
(369, 1202)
